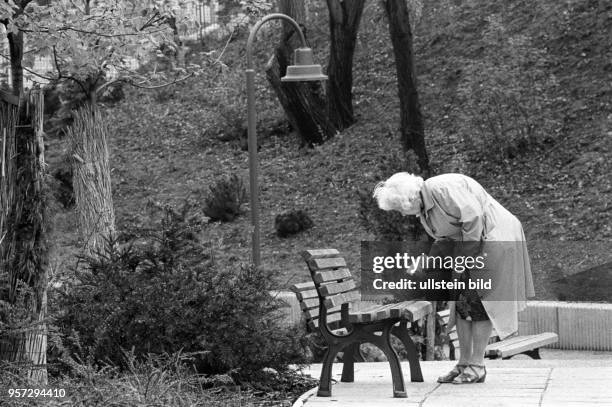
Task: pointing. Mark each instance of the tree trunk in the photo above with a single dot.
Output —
(430, 343)
(344, 17)
(15, 41)
(303, 103)
(91, 178)
(23, 236)
(411, 119)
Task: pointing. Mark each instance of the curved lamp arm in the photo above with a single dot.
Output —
(255, 29)
(251, 123)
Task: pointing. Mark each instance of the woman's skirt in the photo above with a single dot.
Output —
(468, 304)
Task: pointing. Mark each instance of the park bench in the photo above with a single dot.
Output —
(330, 304)
(521, 344)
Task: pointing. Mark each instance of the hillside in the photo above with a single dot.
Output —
(556, 58)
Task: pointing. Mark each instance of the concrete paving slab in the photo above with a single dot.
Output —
(523, 382)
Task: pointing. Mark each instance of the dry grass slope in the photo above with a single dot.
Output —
(165, 144)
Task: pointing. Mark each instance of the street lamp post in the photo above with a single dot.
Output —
(304, 70)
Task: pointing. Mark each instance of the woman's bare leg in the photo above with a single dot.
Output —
(464, 332)
(481, 332)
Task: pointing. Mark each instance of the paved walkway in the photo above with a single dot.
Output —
(519, 382)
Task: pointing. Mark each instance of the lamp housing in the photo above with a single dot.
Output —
(304, 68)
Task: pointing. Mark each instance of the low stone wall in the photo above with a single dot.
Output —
(580, 326)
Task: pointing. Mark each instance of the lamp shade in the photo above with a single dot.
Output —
(304, 69)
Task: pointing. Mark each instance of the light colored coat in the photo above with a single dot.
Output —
(456, 207)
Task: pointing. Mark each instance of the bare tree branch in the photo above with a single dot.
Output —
(87, 32)
(155, 19)
(29, 70)
(140, 85)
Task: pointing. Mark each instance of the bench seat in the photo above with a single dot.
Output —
(520, 344)
(408, 310)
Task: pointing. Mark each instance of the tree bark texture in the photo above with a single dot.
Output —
(303, 102)
(430, 343)
(344, 18)
(411, 119)
(91, 178)
(23, 236)
(15, 41)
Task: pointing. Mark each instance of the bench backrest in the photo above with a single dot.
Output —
(308, 298)
(332, 286)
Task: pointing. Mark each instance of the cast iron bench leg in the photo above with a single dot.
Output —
(326, 371)
(533, 354)
(352, 354)
(384, 343)
(401, 332)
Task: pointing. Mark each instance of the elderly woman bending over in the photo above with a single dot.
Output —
(457, 208)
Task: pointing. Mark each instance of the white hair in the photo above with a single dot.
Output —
(399, 192)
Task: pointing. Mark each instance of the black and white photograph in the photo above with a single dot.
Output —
(302, 203)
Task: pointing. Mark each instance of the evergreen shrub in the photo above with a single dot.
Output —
(160, 292)
(225, 198)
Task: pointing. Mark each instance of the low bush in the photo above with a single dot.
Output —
(292, 222)
(159, 291)
(225, 198)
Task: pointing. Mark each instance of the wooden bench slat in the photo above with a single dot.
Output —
(379, 313)
(313, 326)
(314, 313)
(333, 322)
(317, 264)
(375, 313)
(296, 288)
(361, 316)
(512, 340)
(416, 310)
(526, 343)
(309, 303)
(331, 275)
(382, 312)
(319, 253)
(303, 295)
(409, 310)
(337, 288)
(339, 299)
(518, 340)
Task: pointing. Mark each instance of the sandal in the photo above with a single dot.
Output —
(471, 375)
(448, 378)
